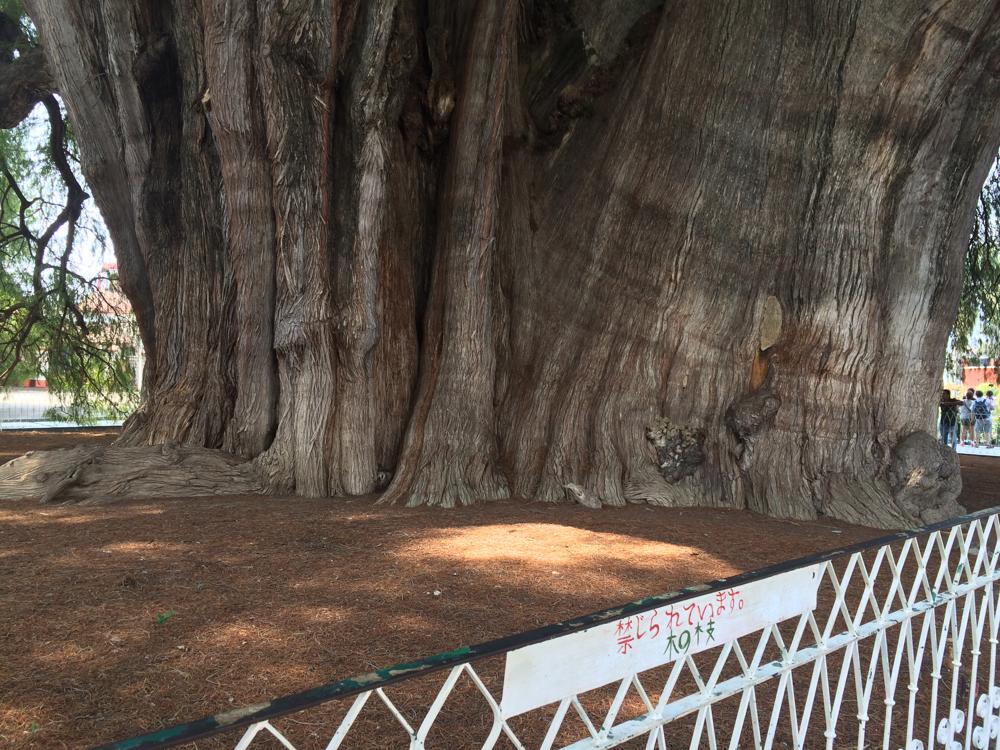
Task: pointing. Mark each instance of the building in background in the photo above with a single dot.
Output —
(109, 301)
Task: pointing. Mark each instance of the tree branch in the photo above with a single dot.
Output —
(33, 307)
(23, 83)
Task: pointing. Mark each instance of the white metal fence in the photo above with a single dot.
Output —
(40, 409)
(28, 405)
(889, 644)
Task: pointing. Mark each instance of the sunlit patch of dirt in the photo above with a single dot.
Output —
(544, 545)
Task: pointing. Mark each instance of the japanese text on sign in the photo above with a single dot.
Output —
(547, 672)
(679, 626)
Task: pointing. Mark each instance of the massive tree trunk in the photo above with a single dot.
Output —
(681, 253)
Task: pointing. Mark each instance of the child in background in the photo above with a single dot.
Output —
(984, 421)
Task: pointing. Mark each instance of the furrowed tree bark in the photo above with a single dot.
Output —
(450, 456)
(296, 76)
(374, 250)
(661, 252)
(722, 214)
(236, 118)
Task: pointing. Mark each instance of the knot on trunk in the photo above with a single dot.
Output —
(752, 414)
(748, 417)
(441, 91)
(924, 478)
(678, 448)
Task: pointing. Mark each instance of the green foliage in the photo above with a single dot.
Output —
(162, 617)
(15, 9)
(59, 319)
(977, 328)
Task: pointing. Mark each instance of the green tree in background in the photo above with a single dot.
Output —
(976, 332)
(73, 328)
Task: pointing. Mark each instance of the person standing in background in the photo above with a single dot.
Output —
(948, 424)
(984, 421)
(966, 420)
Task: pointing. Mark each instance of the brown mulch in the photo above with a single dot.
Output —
(118, 619)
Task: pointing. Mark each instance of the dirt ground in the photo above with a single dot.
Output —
(980, 481)
(119, 619)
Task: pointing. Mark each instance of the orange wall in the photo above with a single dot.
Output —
(973, 376)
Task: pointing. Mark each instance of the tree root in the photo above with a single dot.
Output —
(120, 472)
(54, 488)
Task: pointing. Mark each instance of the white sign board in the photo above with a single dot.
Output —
(547, 672)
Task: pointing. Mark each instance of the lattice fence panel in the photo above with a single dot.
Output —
(899, 652)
